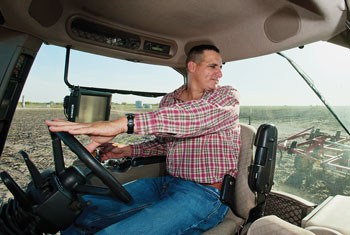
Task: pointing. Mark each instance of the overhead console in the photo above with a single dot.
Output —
(100, 34)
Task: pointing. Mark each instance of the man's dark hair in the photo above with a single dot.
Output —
(195, 54)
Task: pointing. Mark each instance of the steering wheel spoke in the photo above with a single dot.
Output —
(114, 187)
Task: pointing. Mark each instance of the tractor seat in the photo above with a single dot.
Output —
(248, 183)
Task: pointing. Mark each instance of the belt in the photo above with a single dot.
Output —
(216, 185)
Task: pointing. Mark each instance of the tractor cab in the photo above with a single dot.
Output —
(93, 61)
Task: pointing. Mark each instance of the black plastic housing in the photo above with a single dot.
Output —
(262, 170)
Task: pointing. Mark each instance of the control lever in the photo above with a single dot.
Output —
(57, 154)
(34, 172)
(16, 191)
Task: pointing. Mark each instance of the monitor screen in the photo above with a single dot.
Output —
(87, 106)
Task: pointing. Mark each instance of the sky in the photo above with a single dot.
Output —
(265, 80)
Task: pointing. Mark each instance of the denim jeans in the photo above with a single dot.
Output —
(164, 205)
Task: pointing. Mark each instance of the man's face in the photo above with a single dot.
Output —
(208, 72)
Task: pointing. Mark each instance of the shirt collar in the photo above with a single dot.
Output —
(178, 92)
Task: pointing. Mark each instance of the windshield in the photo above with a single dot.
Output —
(313, 157)
(313, 149)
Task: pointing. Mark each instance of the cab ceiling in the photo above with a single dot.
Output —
(240, 28)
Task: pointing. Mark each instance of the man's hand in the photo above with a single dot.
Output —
(114, 150)
(99, 132)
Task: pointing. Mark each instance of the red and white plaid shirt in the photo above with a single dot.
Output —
(201, 138)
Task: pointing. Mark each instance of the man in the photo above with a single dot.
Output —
(197, 128)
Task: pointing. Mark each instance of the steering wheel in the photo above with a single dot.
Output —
(116, 189)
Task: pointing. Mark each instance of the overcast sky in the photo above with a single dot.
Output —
(266, 80)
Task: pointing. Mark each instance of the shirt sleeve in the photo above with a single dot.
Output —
(193, 118)
(156, 147)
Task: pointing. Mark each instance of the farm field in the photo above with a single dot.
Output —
(29, 133)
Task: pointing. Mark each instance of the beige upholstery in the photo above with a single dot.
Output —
(323, 231)
(331, 217)
(244, 197)
(271, 224)
(230, 225)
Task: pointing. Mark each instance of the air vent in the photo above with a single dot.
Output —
(88, 31)
(93, 32)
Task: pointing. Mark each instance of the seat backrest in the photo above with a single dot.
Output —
(255, 176)
(244, 197)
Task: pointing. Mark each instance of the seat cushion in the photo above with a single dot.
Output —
(229, 226)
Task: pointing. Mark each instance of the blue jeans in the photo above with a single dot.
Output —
(164, 205)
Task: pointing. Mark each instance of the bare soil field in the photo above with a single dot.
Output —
(29, 133)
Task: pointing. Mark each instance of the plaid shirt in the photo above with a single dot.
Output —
(201, 138)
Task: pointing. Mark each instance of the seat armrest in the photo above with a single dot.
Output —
(333, 214)
(322, 230)
(273, 225)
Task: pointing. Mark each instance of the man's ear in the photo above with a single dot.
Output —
(191, 66)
